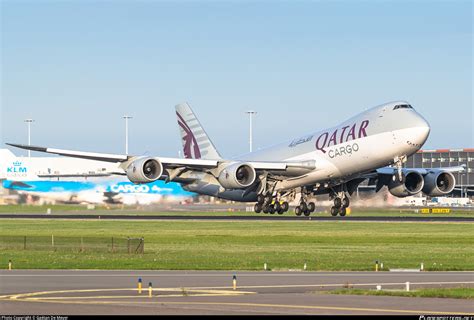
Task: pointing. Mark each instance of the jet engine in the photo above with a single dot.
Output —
(439, 183)
(237, 176)
(411, 184)
(144, 170)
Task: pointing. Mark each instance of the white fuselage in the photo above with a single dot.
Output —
(368, 141)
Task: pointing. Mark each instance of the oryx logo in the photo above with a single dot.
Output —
(191, 148)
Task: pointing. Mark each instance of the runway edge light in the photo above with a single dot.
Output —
(150, 290)
(139, 285)
(9, 265)
(234, 282)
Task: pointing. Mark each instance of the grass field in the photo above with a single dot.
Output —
(244, 245)
(456, 293)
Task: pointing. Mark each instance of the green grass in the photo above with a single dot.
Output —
(247, 245)
(456, 293)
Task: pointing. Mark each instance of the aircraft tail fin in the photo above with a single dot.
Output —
(196, 142)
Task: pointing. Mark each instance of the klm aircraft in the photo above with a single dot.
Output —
(109, 191)
(82, 181)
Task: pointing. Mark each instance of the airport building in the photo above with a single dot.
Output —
(440, 158)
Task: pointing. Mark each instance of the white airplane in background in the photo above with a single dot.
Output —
(332, 161)
(57, 179)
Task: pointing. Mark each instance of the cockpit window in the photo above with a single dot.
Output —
(402, 106)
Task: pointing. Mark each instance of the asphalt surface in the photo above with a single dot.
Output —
(192, 292)
(256, 217)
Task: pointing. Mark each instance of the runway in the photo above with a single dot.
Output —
(256, 217)
(192, 292)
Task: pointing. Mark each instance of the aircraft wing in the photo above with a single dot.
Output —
(75, 154)
(171, 163)
(118, 158)
(422, 171)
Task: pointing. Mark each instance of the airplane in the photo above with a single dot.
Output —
(372, 145)
(102, 191)
(57, 179)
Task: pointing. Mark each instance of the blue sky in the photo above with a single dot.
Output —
(77, 66)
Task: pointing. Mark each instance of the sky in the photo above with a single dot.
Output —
(76, 67)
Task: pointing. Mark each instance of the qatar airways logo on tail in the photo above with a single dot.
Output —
(341, 135)
(190, 143)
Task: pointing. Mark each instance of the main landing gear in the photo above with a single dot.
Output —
(340, 206)
(269, 205)
(305, 208)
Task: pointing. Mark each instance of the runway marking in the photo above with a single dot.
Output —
(202, 292)
(259, 305)
(221, 290)
(339, 285)
(185, 292)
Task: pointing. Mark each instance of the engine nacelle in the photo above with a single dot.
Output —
(237, 176)
(412, 184)
(144, 170)
(439, 183)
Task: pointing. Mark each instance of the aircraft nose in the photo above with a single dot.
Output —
(422, 128)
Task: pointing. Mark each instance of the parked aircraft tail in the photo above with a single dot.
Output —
(196, 143)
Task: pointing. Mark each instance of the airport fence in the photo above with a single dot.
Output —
(73, 244)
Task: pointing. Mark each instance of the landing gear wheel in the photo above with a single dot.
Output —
(260, 199)
(268, 199)
(266, 209)
(334, 211)
(298, 211)
(307, 213)
(342, 211)
(311, 207)
(303, 206)
(281, 211)
(271, 210)
(277, 206)
(337, 202)
(257, 208)
(345, 202)
(285, 206)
